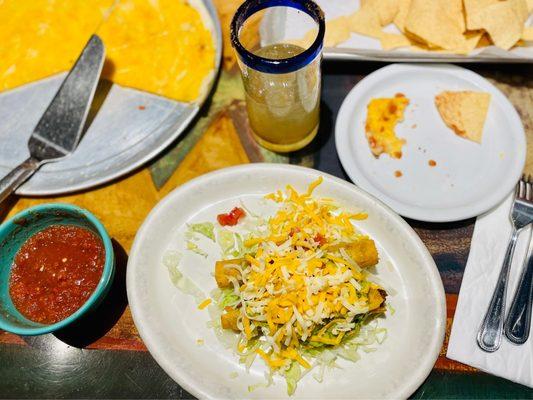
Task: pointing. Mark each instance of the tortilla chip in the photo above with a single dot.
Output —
(337, 31)
(464, 112)
(504, 22)
(387, 9)
(484, 41)
(391, 41)
(529, 6)
(401, 16)
(439, 23)
(365, 21)
(527, 35)
(306, 41)
(472, 12)
(471, 41)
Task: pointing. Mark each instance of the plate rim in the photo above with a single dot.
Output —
(195, 106)
(415, 212)
(353, 54)
(423, 369)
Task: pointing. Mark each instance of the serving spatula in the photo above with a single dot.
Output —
(59, 130)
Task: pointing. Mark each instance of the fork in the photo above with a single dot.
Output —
(518, 320)
(489, 336)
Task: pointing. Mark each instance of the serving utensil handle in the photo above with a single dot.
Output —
(489, 336)
(17, 177)
(517, 324)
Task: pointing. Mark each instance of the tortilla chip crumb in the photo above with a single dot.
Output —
(432, 163)
(398, 174)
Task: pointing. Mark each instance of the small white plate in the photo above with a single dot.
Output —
(469, 178)
(170, 323)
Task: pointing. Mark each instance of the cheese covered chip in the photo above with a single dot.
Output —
(382, 116)
(464, 112)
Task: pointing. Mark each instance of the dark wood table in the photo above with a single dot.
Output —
(103, 356)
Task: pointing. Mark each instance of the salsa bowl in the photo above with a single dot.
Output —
(16, 231)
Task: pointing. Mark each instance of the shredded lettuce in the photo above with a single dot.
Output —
(196, 249)
(231, 244)
(225, 240)
(292, 376)
(349, 353)
(228, 298)
(171, 260)
(204, 228)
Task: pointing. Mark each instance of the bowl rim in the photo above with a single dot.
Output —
(105, 279)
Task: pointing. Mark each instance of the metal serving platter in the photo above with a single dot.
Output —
(130, 128)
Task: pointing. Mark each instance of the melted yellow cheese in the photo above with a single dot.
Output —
(40, 38)
(159, 46)
(382, 116)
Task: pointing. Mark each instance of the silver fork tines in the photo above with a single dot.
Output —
(523, 188)
(490, 333)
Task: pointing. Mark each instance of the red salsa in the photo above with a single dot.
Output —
(232, 218)
(55, 271)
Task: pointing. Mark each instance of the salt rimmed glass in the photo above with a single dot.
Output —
(281, 76)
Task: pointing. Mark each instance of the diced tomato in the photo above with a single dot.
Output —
(232, 218)
(294, 231)
(321, 240)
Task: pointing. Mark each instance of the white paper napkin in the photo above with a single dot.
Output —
(489, 242)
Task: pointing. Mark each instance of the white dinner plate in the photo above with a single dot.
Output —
(170, 322)
(469, 178)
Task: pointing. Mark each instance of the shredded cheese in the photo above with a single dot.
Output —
(204, 304)
(301, 282)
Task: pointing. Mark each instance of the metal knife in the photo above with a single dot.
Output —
(59, 130)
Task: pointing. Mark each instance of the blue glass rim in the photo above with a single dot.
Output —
(286, 65)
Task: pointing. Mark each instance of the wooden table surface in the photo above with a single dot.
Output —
(103, 356)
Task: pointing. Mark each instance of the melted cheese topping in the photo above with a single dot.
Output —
(40, 38)
(159, 46)
(382, 116)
